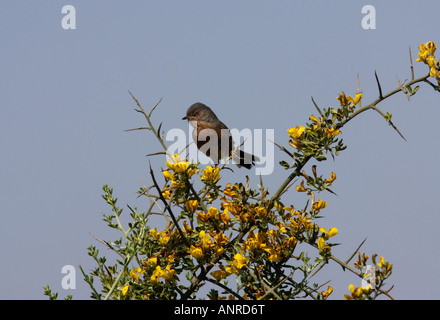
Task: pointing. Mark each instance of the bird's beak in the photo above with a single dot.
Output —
(185, 118)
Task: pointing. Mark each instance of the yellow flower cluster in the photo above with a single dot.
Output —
(348, 101)
(167, 274)
(295, 135)
(163, 237)
(426, 55)
(176, 168)
(322, 246)
(191, 205)
(299, 223)
(271, 242)
(318, 123)
(359, 293)
(236, 265)
(135, 273)
(379, 272)
(208, 245)
(180, 166)
(318, 205)
(211, 174)
(245, 213)
(214, 215)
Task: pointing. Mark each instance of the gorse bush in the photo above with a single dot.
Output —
(219, 232)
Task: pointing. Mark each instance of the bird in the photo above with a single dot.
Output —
(208, 127)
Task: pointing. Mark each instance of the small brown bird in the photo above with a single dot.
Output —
(213, 137)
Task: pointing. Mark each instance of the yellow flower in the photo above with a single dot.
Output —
(178, 165)
(206, 240)
(331, 233)
(136, 274)
(325, 294)
(300, 224)
(230, 191)
(301, 187)
(331, 179)
(203, 217)
(348, 101)
(219, 251)
(219, 274)
(430, 61)
(152, 260)
(124, 290)
(168, 273)
(255, 241)
(422, 56)
(155, 277)
(213, 212)
(426, 55)
(332, 132)
(220, 239)
(273, 254)
(232, 207)
(431, 47)
(321, 244)
(342, 99)
(313, 118)
(224, 216)
(153, 233)
(171, 257)
(296, 132)
(168, 175)
(386, 266)
(196, 252)
(211, 174)
(356, 100)
(318, 205)
(291, 242)
(164, 237)
(191, 205)
(167, 194)
(186, 227)
(281, 227)
(358, 293)
(433, 72)
(239, 261)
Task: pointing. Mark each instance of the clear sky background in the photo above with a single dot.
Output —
(64, 106)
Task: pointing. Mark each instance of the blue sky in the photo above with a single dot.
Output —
(65, 105)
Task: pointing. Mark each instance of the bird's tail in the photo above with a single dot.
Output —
(244, 159)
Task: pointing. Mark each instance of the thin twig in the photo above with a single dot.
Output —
(148, 118)
(168, 208)
(317, 108)
(356, 251)
(378, 85)
(221, 285)
(108, 245)
(389, 121)
(282, 148)
(411, 61)
(432, 85)
(140, 128)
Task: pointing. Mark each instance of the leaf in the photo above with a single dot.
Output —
(284, 164)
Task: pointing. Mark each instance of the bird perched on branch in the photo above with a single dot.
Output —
(213, 137)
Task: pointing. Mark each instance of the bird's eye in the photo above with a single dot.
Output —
(197, 113)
